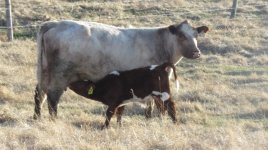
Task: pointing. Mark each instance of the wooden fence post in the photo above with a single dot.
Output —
(234, 8)
(9, 20)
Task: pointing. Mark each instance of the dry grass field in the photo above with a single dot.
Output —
(222, 102)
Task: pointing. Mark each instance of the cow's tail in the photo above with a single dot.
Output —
(42, 62)
(171, 65)
(42, 69)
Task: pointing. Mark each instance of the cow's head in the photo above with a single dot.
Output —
(186, 38)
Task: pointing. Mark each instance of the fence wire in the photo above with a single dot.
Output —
(127, 18)
(167, 13)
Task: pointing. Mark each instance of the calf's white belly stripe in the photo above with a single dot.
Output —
(115, 73)
(163, 96)
(153, 67)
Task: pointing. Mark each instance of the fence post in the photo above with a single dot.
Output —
(9, 20)
(234, 8)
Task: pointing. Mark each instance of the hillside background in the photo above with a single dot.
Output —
(222, 102)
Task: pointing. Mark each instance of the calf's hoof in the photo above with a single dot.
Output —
(36, 117)
(119, 124)
(148, 115)
(104, 127)
(175, 121)
(53, 118)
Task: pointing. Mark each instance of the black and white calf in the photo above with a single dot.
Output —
(118, 88)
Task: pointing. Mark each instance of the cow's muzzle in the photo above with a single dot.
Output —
(196, 54)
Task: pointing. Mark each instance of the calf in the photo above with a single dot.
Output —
(118, 88)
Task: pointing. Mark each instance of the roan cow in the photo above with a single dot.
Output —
(119, 88)
(69, 51)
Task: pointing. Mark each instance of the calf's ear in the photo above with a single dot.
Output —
(201, 29)
(172, 29)
(167, 69)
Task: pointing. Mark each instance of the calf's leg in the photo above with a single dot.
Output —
(160, 106)
(109, 113)
(119, 113)
(170, 106)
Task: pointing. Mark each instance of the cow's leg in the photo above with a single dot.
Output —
(39, 98)
(109, 113)
(119, 113)
(53, 97)
(170, 106)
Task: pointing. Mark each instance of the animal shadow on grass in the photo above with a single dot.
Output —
(6, 120)
(87, 125)
(130, 110)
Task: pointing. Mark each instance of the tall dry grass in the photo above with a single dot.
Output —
(222, 102)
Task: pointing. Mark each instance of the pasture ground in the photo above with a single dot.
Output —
(223, 98)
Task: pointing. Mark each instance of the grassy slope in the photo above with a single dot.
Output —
(222, 103)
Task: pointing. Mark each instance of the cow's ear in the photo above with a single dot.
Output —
(185, 22)
(201, 29)
(172, 29)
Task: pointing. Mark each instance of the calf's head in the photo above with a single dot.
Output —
(186, 36)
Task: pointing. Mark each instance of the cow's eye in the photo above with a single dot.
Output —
(181, 35)
(195, 34)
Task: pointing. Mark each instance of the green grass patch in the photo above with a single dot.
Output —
(25, 33)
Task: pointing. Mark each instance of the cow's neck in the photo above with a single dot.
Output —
(171, 47)
(160, 47)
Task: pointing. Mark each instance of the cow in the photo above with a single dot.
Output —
(121, 87)
(69, 51)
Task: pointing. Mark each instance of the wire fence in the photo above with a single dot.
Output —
(26, 26)
(163, 13)
(125, 18)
